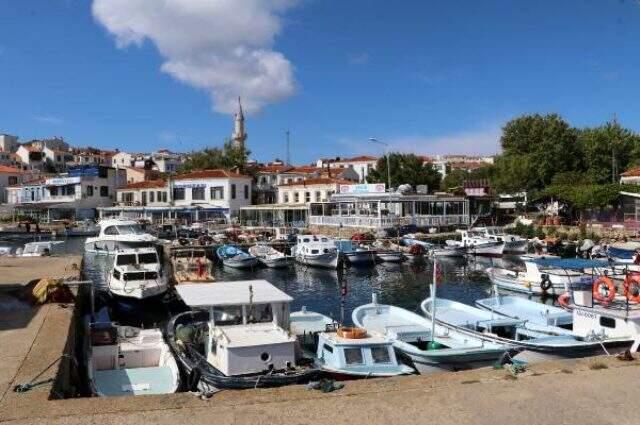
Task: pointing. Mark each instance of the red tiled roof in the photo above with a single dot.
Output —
(147, 184)
(631, 172)
(29, 183)
(10, 170)
(210, 174)
(274, 168)
(359, 158)
(304, 169)
(319, 180)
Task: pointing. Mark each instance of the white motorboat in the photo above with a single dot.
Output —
(534, 313)
(544, 276)
(513, 244)
(389, 256)
(234, 257)
(123, 360)
(42, 249)
(116, 234)
(475, 243)
(137, 273)
(345, 352)
(414, 336)
(316, 251)
(270, 256)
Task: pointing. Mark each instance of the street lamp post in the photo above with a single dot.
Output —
(386, 153)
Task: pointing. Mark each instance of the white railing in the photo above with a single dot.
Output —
(383, 222)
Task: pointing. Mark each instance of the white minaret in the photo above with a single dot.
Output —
(239, 136)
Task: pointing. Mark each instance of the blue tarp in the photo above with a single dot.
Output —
(621, 253)
(570, 263)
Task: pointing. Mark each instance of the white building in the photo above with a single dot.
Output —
(74, 195)
(58, 159)
(166, 161)
(631, 176)
(194, 196)
(122, 160)
(10, 176)
(32, 157)
(362, 165)
(309, 190)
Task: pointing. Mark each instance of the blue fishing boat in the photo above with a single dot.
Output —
(353, 254)
(232, 256)
(430, 348)
(345, 352)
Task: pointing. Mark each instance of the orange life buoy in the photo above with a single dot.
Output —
(610, 288)
(351, 333)
(632, 280)
(564, 300)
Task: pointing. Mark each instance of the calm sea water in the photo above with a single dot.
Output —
(337, 293)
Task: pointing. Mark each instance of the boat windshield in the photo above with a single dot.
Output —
(149, 258)
(130, 229)
(126, 259)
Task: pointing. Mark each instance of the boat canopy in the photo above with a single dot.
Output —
(570, 263)
(242, 292)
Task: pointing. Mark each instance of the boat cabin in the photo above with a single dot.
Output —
(315, 244)
(136, 264)
(251, 336)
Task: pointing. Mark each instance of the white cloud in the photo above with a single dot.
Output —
(483, 141)
(359, 58)
(48, 119)
(221, 46)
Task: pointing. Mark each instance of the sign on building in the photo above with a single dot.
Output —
(62, 181)
(363, 188)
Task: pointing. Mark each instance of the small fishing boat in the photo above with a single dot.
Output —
(535, 342)
(118, 234)
(316, 251)
(137, 273)
(513, 244)
(236, 336)
(447, 251)
(270, 256)
(190, 264)
(355, 255)
(475, 243)
(524, 309)
(430, 348)
(550, 276)
(345, 353)
(232, 256)
(42, 249)
(123, 360)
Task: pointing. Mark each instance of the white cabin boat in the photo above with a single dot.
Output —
(117, 235)
(137, 273)
(123, 360)
(343, 353)
(316, 251)
(246, 341)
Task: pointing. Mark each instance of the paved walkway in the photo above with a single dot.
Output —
(19, 271)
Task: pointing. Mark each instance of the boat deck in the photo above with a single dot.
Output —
(135, 381)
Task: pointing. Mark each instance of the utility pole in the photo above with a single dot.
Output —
(288, 151)
(614, 165)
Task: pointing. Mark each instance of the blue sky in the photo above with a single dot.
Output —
(426, 76)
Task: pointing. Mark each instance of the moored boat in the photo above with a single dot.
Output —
(389, 256)
(123, 360)
(413, 336)
(137, 273)
(316, 251)
(475, 243)
(270, 256)
(533, 312)
(190, 264)
(41, 249)
(236, 258)
(118, 234)
(353, 254)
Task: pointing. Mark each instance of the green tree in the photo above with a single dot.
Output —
(606, 146)
(227, 157)
(535, 148)
(405, 169)
(454, 178)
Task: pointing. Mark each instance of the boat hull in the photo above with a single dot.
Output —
(516, 247)
(276, 263)
(240, 263)
(328, 261)
(391, 257)
(513, 284)
(360, 258)
(486, 249)
(110, 247)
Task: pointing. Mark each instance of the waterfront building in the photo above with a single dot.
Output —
(73, 195)
(309, 190)
(10, 176)
(195, 196)
(370, 207)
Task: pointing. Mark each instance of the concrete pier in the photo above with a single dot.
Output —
(16, 272)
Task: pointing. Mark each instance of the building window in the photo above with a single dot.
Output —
(89, 190)
(53, 190)
(217, 192)
(152, 196)
(318, 196)
(164, 196)
(104, 191)
(159, 196)
(178, 193)
(127, 197)
(307, 196)
(233, 191)
(296, 197)
(197, 193)
(246, 191)
(13, 180)
(144, 198)
(286, 197)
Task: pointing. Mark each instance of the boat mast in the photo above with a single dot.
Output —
(433, 303)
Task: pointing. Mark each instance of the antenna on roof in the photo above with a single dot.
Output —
(288, 150)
